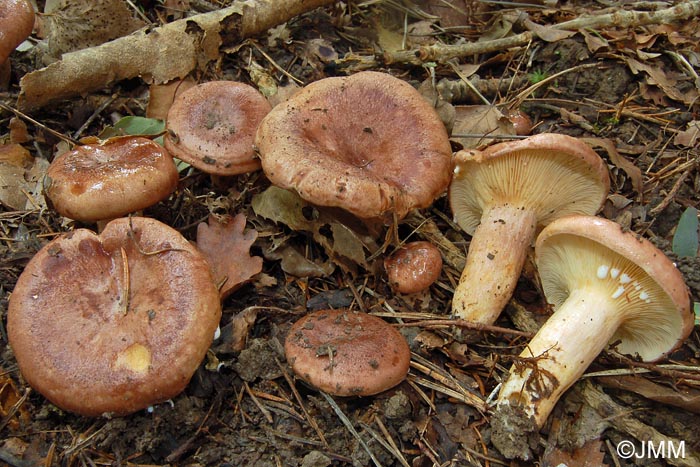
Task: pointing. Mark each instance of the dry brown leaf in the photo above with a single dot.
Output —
(632, 171)
(690, 137)
(161, 97)
(593, 41)
(293, 262)
(241, 323)
(589, 455)
(480, 122)
(547, 33)
(346, 242)
(76, 24)
(226, 245)
(657, 77)
(16, 417)
(15, 162)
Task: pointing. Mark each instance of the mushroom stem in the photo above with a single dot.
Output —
(496, 255)
(559, 353)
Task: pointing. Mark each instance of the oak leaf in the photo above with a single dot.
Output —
(226, 245)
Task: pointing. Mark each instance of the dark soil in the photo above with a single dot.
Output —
(245, 407)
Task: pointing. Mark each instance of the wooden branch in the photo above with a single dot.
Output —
(444, 52)
(157, 55)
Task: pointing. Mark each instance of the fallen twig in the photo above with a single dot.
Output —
(157, 55)
(444, 52)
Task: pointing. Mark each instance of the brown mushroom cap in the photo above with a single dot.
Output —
(16, 24)
(112, 323)
(212, 126)
(414, 267)
(108, 180)
(347, 353)
(368, 143)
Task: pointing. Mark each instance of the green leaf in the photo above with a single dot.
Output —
(685, 240)
(134, 125)
(696, 307)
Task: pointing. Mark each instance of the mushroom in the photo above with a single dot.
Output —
(212, 126)
(16, 24)
(109, 179)
(608, 287)
(414, 267)
(347, 353)
(367, 143)
(116, 322)
(501, 196)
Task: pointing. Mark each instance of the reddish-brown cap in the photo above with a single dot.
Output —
(212, 126)
(110, 179)
(644, 286)
(368, 143)
(413, 267)
(112, 323)
(16, 24)
(347, 353)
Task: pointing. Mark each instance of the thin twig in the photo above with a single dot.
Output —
(346, 421)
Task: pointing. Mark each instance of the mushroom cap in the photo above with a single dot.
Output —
(646, 287)
(110, 179)
(414, 267)
(16, 24)
(368, 143)
(347, 353)
(556, 175)
(212, 126)
(90, 349)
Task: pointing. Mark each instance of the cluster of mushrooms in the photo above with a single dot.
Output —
(138, 306)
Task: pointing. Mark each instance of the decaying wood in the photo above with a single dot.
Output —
(157, 55)
(623, 420)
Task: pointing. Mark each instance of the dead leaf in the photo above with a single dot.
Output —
(589, 455)
(161, 97)
(241, 323)
(632, 171)
(547, 33)
(15, 162)
(226, 246)
(690, 136)
(593, 41)
(346, 241)
(16, 416)
(293, 262)
(76, 24)
(479, 122)
(657, 77)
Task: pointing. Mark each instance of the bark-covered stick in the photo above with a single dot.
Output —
(159, 54)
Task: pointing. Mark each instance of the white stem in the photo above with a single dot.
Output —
(560, 352)
(495, 259)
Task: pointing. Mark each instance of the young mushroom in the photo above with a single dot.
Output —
(347, 353)
(414, 267)
(113, 323)
(368, 143)
(608, 287)
(97, 182)
(212, 126)
(16, 24)
(501, 196)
